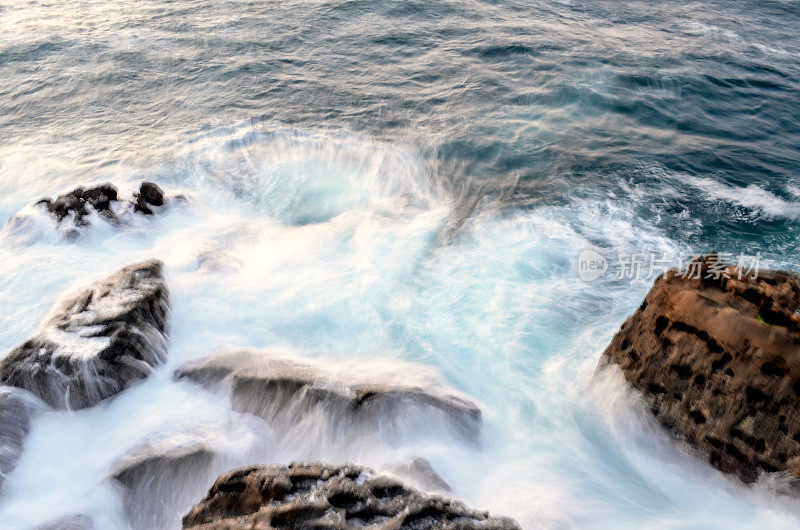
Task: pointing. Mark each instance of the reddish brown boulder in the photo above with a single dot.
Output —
(332, 497)
(718, 361)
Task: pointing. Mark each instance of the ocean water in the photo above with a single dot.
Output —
(404, 186)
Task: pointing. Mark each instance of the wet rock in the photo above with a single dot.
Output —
(420, 473)
(75, 203)
(718, 361)
(149, 195)
(356, 397)
(104, 199)
(159, 483)
(333, 497)
(17, 409)
(97, 342)
(213, 260)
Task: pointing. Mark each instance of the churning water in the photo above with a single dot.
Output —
(407, 185)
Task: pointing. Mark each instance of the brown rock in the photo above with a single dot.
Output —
(151, 193)
(333, 497)
(718, 361)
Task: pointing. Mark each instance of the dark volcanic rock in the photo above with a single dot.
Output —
(149, 195)
(158, 483)
(718, 360)
(320, 496)
(356, 399)
(97, 342)
(105, 201)
(74, 203)
(17, 408)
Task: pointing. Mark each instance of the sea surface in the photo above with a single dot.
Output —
(407, 183)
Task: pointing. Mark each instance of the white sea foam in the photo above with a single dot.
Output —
(498, 314)
(752, 196)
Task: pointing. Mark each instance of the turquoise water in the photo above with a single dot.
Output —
(402, 182)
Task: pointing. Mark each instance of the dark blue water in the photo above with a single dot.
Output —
(522, 131)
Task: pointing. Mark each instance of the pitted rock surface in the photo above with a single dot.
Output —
(718, 361)
(333, 497)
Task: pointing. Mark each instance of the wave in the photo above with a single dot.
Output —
(752, 197)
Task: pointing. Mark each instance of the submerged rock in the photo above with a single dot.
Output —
(354, 397)
(718, 361)
(17, 409)
(333, 497)
(158, 483)
(97, 342)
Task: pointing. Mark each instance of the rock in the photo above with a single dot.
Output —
(333, 497)
(149, 195)
(159, 483)
(353, 397)
(718, 361)
(421, 474)
(17, 409)
(74, 203)
(105, 201)
(97, 342)
(213, 260)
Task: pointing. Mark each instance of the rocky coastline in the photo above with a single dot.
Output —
(716, 357)
(106, 337)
